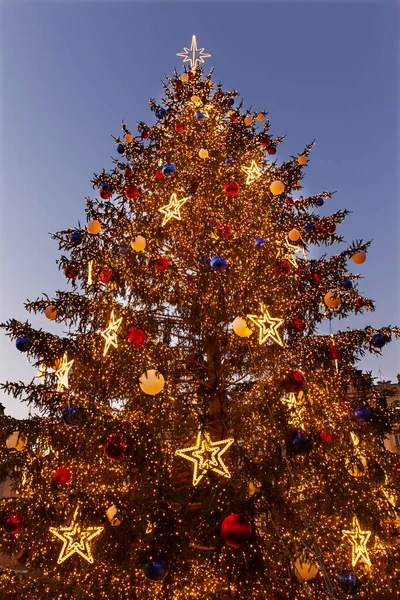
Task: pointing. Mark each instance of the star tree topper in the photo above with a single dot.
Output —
(75, 540)
(194, 55)
(63, 372)
(358, 540)
(110, 334)
(206, 456)
(173, 209)
(270, 332)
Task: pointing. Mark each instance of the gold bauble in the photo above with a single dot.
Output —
(138, 244)
(196, 100)
(94, 226)
(332, 299)
(294, 235)
(277, 187)
(359, 257)
(151, 382)
(302, 160)
(239, 326)
(248, 121)
(16, 440)
(203, 153)
(50, 312)
(128, 138)
(305, 568)
(185, 77)
(260, 117)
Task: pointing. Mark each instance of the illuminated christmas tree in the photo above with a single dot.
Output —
(199, 437)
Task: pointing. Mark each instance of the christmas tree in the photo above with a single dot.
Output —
(198, 436)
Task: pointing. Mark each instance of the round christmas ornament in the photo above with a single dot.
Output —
(178, 127)
(121, 149)
(349, 583)
(75, 238)
(138, 244)
(111, 514)
(317, 277)
(358, 467)
(105, 194)
(299, 324)
(14, 523)
(50, 312)
(131, 191)
(145, 134)
(346, 285)
(203, 153)
(307, 228)
(289, 201)
(305, 567)
(116, 447)
(156, 570)
(282, 267)
(265, 140)
(70, 272)
(219, 263)
(236, 530)
(178, 84)
(250, 135)
(294, 235)
(200, 116)
(302, 160)
(223, 230)
(196, 100)
(359, 257)
(363, 414)
(277, 187)
(324, 435)
(239, 326)
(105, 275)
(260, 117)
(93, 226)
(319, 201)
(161, 264)
(70, 416)
(378, 341)
(259, 242)
(16, 440)
(231, 189)
(169, 170)
(335, 351)
(151, 382)
(123, 250)
(23, 344)
(300, 442)
(228, 160)
(332, 299)
(159, 175)
(161, 113)
(233, 115)
(185, 77)
(271, 150)
(231, 101)
(61, 476)
(331, 228)
(248, 121)
(128, 138)
(294, 381)
(128, 173)
(359, 302)
(136, 337)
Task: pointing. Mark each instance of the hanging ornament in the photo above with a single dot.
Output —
(300, 442)
(121, 149)
(105, 275)
(325, 435)
(157, 569)
(349, 583)
(151, 382)
(138, 244)
(319, 201)
(161, 263)
(110, 333)
(203, 153)
(346, 285)
(231, 189)
(223, 230)
(268, 326)
(357, 467)
(302, 160)
(116, 447)
(75, 238)
(105, 194)
(70, 272)
(128, 138)
(248, 121)
(363, 414)
(294, 381)
(332, 299)
(259, 242)
(111, 514)
(14, 523)
(359, 302)
(219, 263)
(305, 567)
(94, 227)
(307, 228)
(358, 540)
(236, 530)
(335, 351)
(277, 188)
(282, 268)
(136, 337)
(131, 191)
(23, 344)
(75, 539)
(50, 312)
(173, 209)
(228, 160)
(169, 170)
(200, 116)
(260, 117)
(206, 456)
(178, 127)
(359, 257)
(378, 341)
(61, 476)
(239, 326)
(271, 150)
(16, 440)
(70, 416)
(294, 235)
(159, 175)
(62, 373)
(195, 100)
(299, 324)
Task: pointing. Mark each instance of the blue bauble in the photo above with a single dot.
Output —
(23, 344)
(69, 416)
(300, 442)
(363, 414)
(319, 201)
(201, 84)
(308, 227)
(230, 358)
(349, 583)
(219, 263)
(228, 160)
(204, 260)
(169, 170)
(346, 285)
(123, 249)
(231, 101)
(156, 570)
(161, 113)
(378, 341)
(259, 242)
(75, 238)
(200, 116)
(105, 187)
(121, 149)
(250, 136)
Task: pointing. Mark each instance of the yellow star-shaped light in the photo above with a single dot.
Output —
(63, 372)
(295, 405)
(206, 456)
(75, 540)
(194, 55)
(173, 209)
(110, 334)
(358, 540)
(271, 331)
(253, 172)
(291, 250)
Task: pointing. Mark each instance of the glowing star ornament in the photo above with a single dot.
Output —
(253, 172)
(207, 456)
(75, 540)
(173, 209)
(290, 251)
(358, 540)
(268, 326)
(296, 405)
(194, 55)
(62, 373)
(110, 334)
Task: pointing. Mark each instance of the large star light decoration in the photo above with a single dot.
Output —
(206, 456)
(358, 540)
(194, 55)
(291, 250)
(63, 372)
(268, 326)
(253, 172)
(75, 540)
(173, 209)
(110, 334)
(296, 406)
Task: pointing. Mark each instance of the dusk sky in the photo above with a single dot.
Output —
(71, 72)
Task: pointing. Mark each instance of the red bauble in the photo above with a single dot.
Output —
(70, 272)
(332, 228)
(282, 267)
(265, 140)
(321, 232)
(335, 352)
(136, 337)
(317, 278)
(178, 127)
(219, 94)
(299, 324)
(344, 404)
(294, 381)
(105, 276)
(128, 174)
(324, 435)
(231, 189)
(299, 271)
(61, 476)
(190, 74)
(235, 530)
(359, 302)
(233, 116)
(161, 263)
(105, 194)
(271, 150)
(131, 191)
(223, 230)
(178, 84)
(116, 447)
(159, 175)
(14, 524)
(289, 201)
(177, 96)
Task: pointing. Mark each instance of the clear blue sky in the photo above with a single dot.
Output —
(72, 71)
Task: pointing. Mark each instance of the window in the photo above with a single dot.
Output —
(397, 439)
